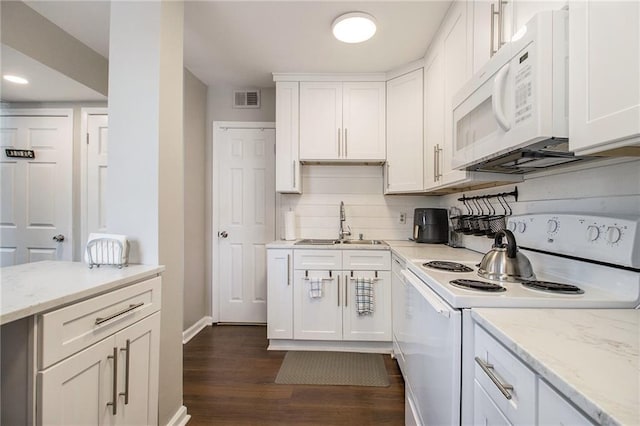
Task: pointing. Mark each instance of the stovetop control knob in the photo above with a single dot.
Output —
(592, 233)
(511, 226)
(522, 227)
(613, 234)
(552, 226)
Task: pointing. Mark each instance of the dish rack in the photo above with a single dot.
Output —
(107, 251)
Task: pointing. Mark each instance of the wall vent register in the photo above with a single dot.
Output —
(246, 99)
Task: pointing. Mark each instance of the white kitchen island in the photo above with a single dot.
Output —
(73, 339)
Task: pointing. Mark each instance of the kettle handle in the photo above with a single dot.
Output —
(512, 248)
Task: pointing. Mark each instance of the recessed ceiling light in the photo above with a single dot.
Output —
(15, 79)
(354, 27)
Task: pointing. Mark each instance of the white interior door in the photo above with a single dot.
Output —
(36, 198)
(97, 147)
(246, 221)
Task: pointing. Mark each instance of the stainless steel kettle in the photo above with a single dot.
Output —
(504, 262)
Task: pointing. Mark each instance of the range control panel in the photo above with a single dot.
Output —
(602, 238)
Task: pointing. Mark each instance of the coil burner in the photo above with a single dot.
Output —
(552, 287)
(478, 285)
(447, 266)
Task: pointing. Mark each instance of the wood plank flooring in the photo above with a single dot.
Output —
(229, 380)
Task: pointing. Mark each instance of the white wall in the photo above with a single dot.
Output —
(367, 210)
(196, 288)
(610, 187)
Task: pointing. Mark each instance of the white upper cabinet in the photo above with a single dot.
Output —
(433, 117)
(495, 23)
(287, 162)
(405, 160)
(604, 76)
(342, 121)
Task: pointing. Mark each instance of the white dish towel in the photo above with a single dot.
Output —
(364, 296)
(315, 287)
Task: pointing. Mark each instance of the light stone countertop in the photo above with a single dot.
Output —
(590, 355)
(33, 288)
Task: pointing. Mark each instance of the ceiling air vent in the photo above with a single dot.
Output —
(246, 99)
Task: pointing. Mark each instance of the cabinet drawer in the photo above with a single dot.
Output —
(324, 260)
(508, 370)
(553, 409)
(68, 330)
(485, 411)
(366, 260)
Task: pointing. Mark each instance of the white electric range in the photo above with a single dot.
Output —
(594, 260)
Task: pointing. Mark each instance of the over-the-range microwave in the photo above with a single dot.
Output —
(512, 116)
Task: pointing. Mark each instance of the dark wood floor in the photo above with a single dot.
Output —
(229, 380)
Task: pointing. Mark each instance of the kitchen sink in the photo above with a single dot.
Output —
(317, 242)
(330, 242)
(365, 242)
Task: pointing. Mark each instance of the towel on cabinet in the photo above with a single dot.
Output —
(364, 295)
(315, 287)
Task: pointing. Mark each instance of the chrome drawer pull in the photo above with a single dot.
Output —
(127, 349)
(117, 314)
(488, 369)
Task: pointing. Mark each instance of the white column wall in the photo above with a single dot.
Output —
(145, 188)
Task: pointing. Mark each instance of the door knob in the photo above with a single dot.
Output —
(223, 234)
(58, 238)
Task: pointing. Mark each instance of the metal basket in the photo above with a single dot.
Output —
(107, 251)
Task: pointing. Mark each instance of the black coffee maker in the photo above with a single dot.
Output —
(431, 226)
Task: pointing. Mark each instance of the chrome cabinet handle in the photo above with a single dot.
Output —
(439, 162)
(338, 290)
(501, 41)
(492, 32)
(346, 291)
(294, 173)
(114, 393)
(435, 163)
(58, 238)
(288, 269)
(345, 142)
(131, 307)
(339, 154)
(488, 369)
(388, 175)
(127, 349)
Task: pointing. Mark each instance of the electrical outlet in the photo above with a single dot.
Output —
(403, 218)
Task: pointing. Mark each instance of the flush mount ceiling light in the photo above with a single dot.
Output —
(354, 27)
(15, 79)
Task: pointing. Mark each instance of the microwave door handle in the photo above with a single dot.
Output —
(498, 88)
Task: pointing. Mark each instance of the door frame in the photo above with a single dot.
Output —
(218, 128)
(84, 152)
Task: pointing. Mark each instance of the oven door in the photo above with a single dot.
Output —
(433, 353)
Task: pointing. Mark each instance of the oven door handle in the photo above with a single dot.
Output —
(431, 297)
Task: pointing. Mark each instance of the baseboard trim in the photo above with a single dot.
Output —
(320, 345)
(180, 418)
(190, 332)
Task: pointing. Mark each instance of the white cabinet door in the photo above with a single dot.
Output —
(405, 133)
(317, 318)
(77, 390)
(604, 65)
(287, 122)
(457, 70)
(363, 117)
(279, 294)
(138, 347)
(553, 409)
(485, 411)
(433, 116)
(369, 327)
(320, 120)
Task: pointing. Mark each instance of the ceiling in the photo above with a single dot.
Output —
(45, 84)
(240, 43)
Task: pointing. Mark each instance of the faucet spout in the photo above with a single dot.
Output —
(343, 217)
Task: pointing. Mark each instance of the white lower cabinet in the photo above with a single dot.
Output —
(506, 391)
(279, 294)
(553, 409)
(333, 314)
(110, 382)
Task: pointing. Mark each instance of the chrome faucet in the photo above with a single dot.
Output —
(343, 218)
